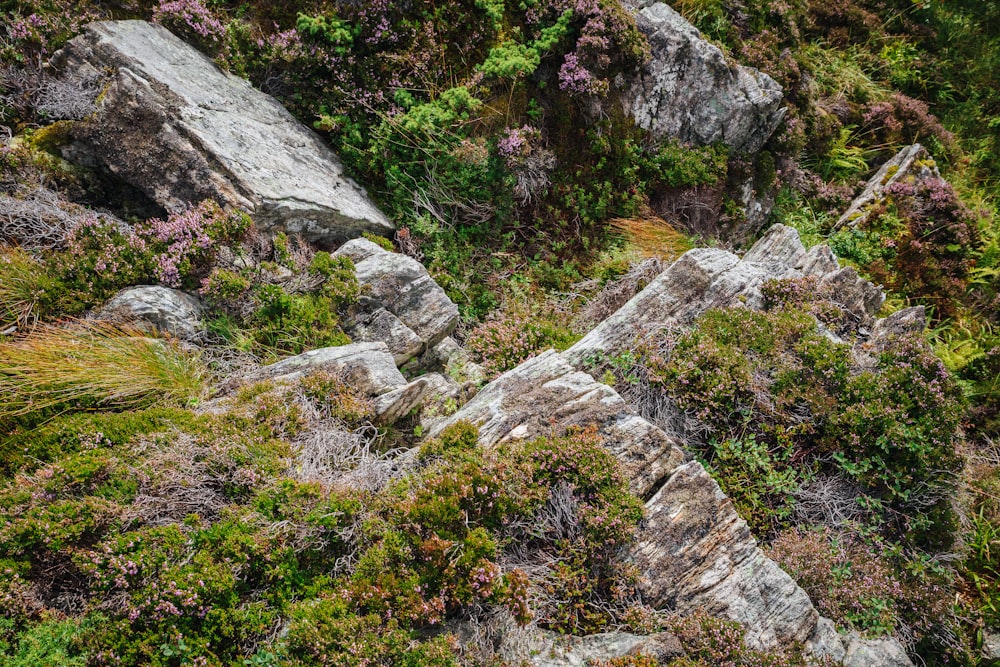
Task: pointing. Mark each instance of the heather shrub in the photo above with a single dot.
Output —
(713, 641)
(919, 244)
(193, 21)
(772, 389)
(69, 433)
(102, 257)
(857, 585)
(172, 538)
(514, 335)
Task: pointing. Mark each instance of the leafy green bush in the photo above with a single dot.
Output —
(282, 321)
(48, 644)
(775, 389)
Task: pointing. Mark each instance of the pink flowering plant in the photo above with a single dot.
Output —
(192, 20)
(102, 256)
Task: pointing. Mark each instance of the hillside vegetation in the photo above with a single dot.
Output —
(168, 502)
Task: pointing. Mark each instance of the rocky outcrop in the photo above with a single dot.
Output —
(912, 161)
(381, 325)
(690, 91)
(181, 130)
(706, 278)
(368, 367)
(167, 310)
(546, 649)
(456, 361)
(696, 553)
(884, 652)
(401, 304)
(546, 395)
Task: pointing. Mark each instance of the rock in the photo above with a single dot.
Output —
(382, 325)
(367, 366)
(168, 310)
(181, 130)
(546, 395)
(885, 652)
(548, 649)
(696, 553)
(910, 161)
(901, 323)
(690, 91)
(825, 642)
(706, 278)
(853, 292)
(402, 286)
(396, 404)
(457, 362)
(991, 646)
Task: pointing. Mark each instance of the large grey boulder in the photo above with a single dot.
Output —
(369, 367)
(690, 91)
(546, 395)
(913, 162)
(401, 286)
(174, 125)
(706, 278)
(696, 553)
(168, 310)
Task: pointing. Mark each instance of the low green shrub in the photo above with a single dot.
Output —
(51, 643)
(266, 316)
(775, 389)
(857, 585)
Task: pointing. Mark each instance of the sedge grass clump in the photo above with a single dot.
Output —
(26, 289)
(94, 364)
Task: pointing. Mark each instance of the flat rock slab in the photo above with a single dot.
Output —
(548, 649)
(174, 125)
(369, 367)
(546, 395)
(696, 553)
(690, 91)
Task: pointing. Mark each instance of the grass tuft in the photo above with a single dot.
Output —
(653, 236)
(94, 364)
(24, 284)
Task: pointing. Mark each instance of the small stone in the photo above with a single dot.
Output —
(167, 310)
(402, 286)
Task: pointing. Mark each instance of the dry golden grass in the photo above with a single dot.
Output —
(95, 364)
(652, 236)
